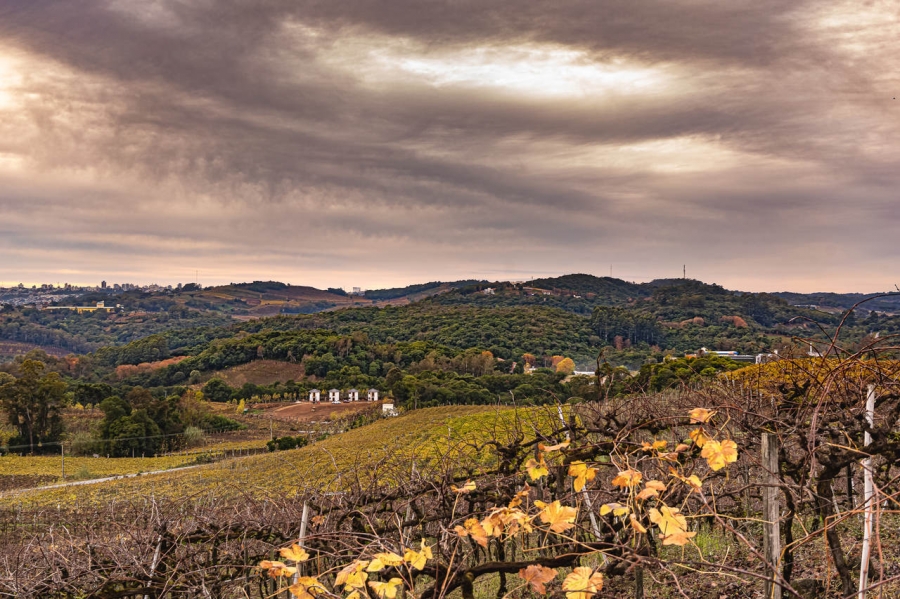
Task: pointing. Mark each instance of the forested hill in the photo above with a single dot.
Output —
(844, 301)
(515, 320)
(575, 315)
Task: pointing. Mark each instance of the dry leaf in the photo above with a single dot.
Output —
(466, 488)
(582, 473)
(563, 445)
(616, 509)
(537, 576)
(701, 415)
(560, 518)
(582, 583)
(473, 528)
(295, 553)
(386, 590)
(699, 437)
(669, 520)
(627, 478)
(383, 560)
(536, 468)
(306, 587)
(718, 455)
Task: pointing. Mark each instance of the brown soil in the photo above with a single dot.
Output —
(306, 411)
(261, 372)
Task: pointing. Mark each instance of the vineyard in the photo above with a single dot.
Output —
(417, 437)
(22, 472)
(778, 481)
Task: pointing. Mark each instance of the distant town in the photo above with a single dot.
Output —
(46, 294)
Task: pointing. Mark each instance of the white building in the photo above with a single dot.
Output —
(388, 409)
(315, 396)
(372, 395)
(334, 396)
(352, 395)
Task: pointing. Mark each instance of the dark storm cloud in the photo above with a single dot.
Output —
(384, 141)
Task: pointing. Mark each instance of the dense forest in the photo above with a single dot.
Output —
(474, 344)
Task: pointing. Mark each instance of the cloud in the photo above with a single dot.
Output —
(385, 143)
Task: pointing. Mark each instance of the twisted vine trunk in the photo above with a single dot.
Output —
(825, 508)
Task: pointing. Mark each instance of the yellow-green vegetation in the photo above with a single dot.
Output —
(79, 467)
(87, 467)
(378, 453)
(800, 371)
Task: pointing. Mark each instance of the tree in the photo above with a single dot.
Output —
(565, 366)
(32, 404)
(217, 390)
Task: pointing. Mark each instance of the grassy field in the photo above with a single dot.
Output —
(46, 470)
(374, 454)
(260, 372)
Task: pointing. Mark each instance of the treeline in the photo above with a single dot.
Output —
(137, 421)
(89, 331)
(395, 292)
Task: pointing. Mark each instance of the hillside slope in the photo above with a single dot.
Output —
(432, 438)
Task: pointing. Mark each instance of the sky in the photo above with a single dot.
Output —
(376, 143)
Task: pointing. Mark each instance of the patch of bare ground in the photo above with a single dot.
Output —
(261, 372)
(309, 412)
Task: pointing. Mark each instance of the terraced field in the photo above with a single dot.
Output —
(446, 437)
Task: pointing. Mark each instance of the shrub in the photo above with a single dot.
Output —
(84, 443)
(193, 436)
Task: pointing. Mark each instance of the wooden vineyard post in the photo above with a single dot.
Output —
(868, 491)
(771, 513)
(304, 522)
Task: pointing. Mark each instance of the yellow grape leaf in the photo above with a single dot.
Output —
(694, 482)
(652, 488)
(563, 445)
(493, 525)
(355, 595)
(582, 583)
(386, 590)
(656, 445)
(668, 519)
(655, 484)
(317, 520)
(417, 559)
(647, 494)
(697, 436)
(560, 518)
(536, 468)
(582, 473)
(277, 569)
(466, 488)
(540, 504)
(627, 478)
(679, 538)
(473, 528)
(701, 415)
(718, 455)
(295, 553)
(511, 520)
(616, 509)
(352, 576)
(681, 447)
(382, 560)
(520, 497)
(537, 576)
(636, 525)
(306, 587)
